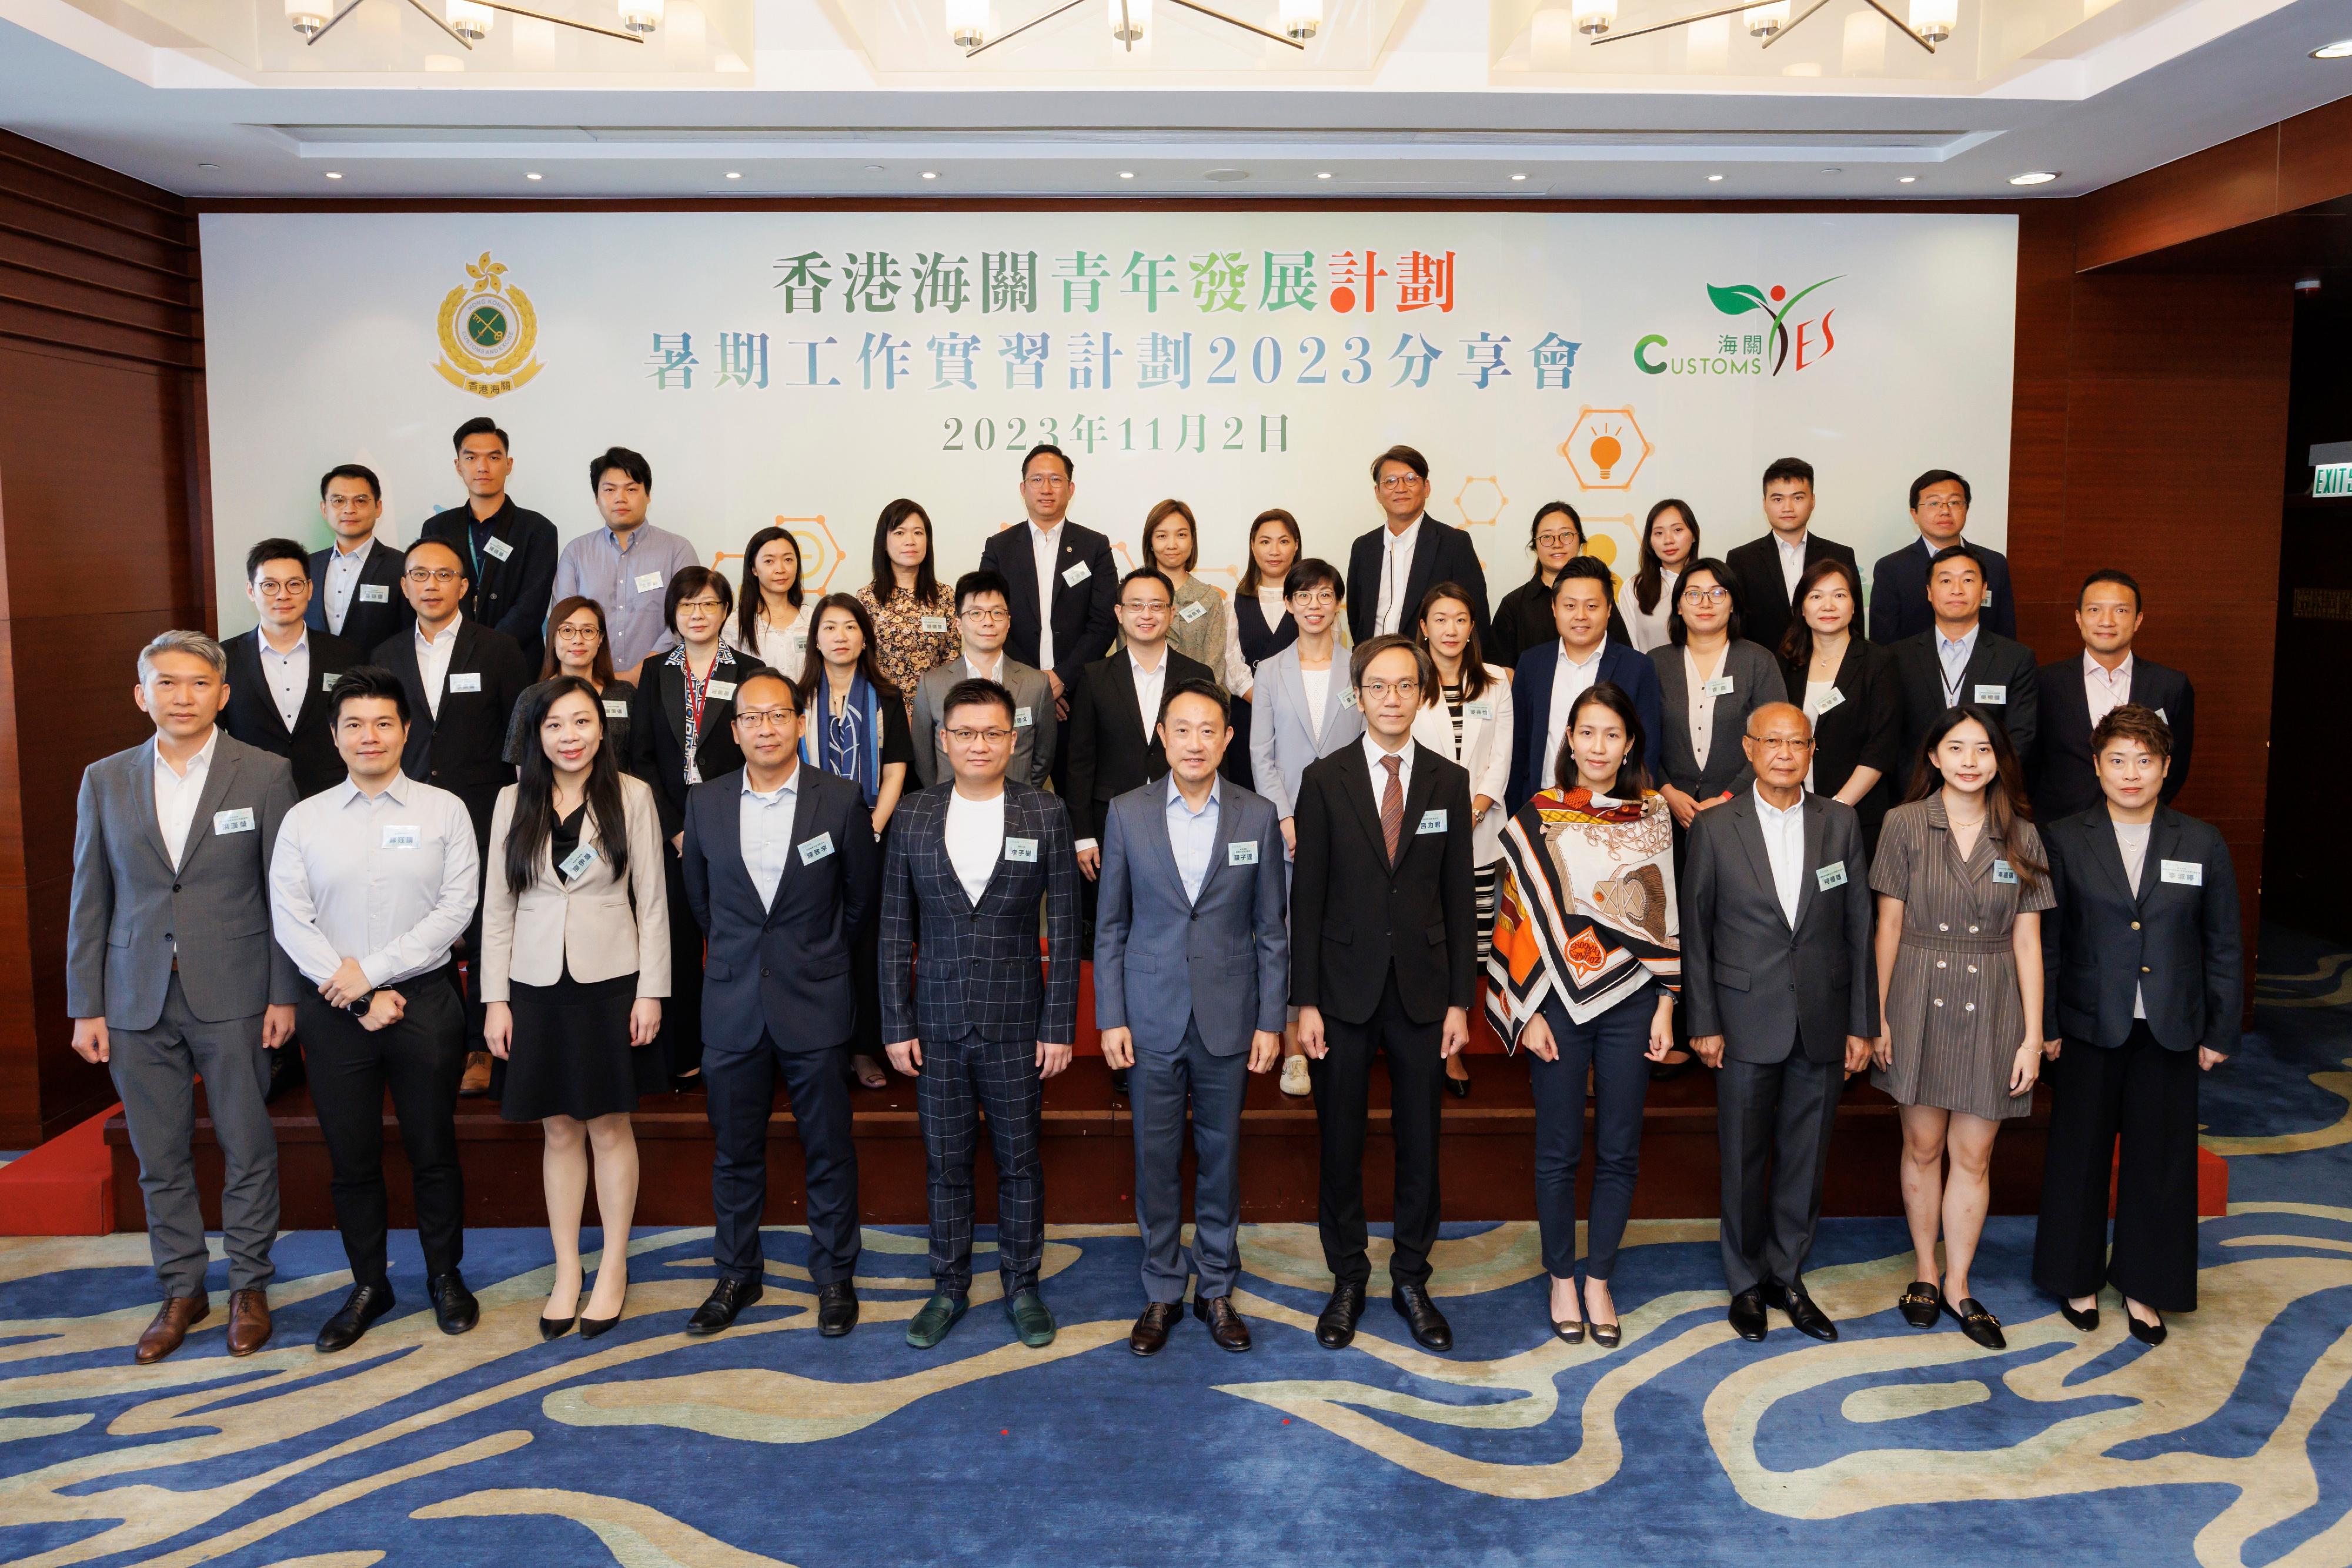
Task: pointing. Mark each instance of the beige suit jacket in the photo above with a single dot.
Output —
(587, 925)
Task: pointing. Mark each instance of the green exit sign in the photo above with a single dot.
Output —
(2332, 479)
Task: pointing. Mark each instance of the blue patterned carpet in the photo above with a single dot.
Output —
(2231, 1444)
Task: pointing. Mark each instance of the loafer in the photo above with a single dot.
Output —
(836, 1309)
(2084, 1322)
(2146, 1333)
(1226, 1329)
(1297, 1081)
(1804, 1315)
(1149, 1333)
(362, 1307)
(477, 1080)
(453, 1307)
(249, 1319)
(1746, 1316)
(1921, 1303)
(170, 1327)
(718, 1310)
(937, 1315)
(1979, 1324)
(1334, 1329)
(1430, 1329)
(1032, 1323)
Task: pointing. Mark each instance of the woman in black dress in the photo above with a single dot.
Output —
(1524, 619)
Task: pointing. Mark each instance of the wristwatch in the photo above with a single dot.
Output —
(359, 1009)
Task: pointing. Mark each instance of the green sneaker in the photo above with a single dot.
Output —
(940, 1313)
(1025, 1311)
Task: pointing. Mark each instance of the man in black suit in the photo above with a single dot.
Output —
(355, 582)
(2078, 693)
(509, 551)
(1782, 988)
(280, 671)
(1064, 582)
(1961, 659)
(781, 868)
(1386, 962)
(1411, 553)
(1769, 568)
(1898, 583)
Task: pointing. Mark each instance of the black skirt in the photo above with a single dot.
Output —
(572, 1056)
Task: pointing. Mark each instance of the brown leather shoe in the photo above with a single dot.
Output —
(173, 1319)
(477, 1081)
(248, 1321)
(1226, 1329)
(1151, 1330)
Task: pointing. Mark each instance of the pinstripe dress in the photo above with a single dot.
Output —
(1953, 1008)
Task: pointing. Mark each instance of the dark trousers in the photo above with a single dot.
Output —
(741, 1087)
(1611, 1050)
(1774, 1114)
(1159, 1088)
(1343, 1082)
(961, 1080)
(420, 1059)
(467, 987)
(681, 1030)
(866, 974)
(2148, 1096)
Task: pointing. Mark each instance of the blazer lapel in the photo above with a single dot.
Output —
(142, 788)
(2163, 839)
(672, 680)
(217, 779)
(804, 819)
(1130, 705)
(1367, 804)
(1162, 848)
(1424, 569)
(1416, 801)
(2099, 838)
(1817, 833)
(1752, 839)
(1335, 697)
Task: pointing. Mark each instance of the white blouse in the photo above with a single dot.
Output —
(1648, 631)
(783, 650)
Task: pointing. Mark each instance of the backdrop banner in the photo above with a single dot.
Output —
(804, 369)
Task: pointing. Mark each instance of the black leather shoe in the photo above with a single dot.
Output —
(285, 1071)
(1151, 1330)
(556, 1328)
(1336, 1329)
(1979, 1324)
(1430, 1329)
(836, 1309)
(2084, 1322)
(1807, 1318)
(1119, 1082)
(362, 1307)
(453, 1307)
(1226, 1329)
(1458, 1087)
(2146, 1333)
(1921, 1303)
(719, 1309)
(1747, 1319)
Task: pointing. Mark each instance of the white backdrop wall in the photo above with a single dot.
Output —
(809, 367)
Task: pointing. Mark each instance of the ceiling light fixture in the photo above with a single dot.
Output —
(734, 173)
(1594, 18)
(1126, 173)
(331, 174)
(641, 16)
(967, 23)
(928, 174)
(215, 167)
(468, 21)
(1906, 178)
(1932, 20)
(1766, 21)
(1323, 174)
(1714, 179)
(1131, 23)
(1301, 19)
(1518, 176)
(2034, 177)
(309, 17)
(2341, 49)
(534, 175)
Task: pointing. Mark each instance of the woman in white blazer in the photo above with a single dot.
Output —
(575, 962)
(1468, 718)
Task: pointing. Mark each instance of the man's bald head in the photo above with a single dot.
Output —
(1778, 746)
(1760, 722)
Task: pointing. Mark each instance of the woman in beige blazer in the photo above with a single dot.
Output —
(576, 961)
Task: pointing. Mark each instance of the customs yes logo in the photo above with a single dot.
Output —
(1755, 349)
(488, 333)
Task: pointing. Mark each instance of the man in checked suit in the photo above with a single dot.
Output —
(973, 1021)
(1782, 988)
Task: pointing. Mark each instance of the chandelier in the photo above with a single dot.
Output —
(470, 21)
(1131, 22)
(1931, 21)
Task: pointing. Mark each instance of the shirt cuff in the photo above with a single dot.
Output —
(1086, 844)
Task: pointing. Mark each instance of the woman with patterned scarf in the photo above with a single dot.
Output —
(1585, 966)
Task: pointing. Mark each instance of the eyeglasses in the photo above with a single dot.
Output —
(1399, 481)
(1376, 690)
(710, 606)
(1554, 542)
(1319, 599)
(985, 616)
(1783, 742)
(766, 717)
(972, 736)
(421, 575)
(578, 634)
(1941, 503)
(1705, 595)
(1047, 481)
(269, 588)
(1137, 607)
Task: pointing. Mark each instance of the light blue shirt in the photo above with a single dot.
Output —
(765, 824)
(630, 584)
(1954, 657)
(1192, 835)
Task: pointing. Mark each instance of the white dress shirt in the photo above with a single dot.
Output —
(764, 823)
(1648, 627)
(1702, 704)
(2104, 691)
(1569, 681)
(1784, 847)
(2131, 841)
(1404, 754)
(390, 880)
(432, 655)
(1192, 835)
(176, 793)
(343, 579)
(1149, 686)
(289, 673)
(1792, 560)
(1954, 657)
(975, 840)
(1319, 693)
(1044, 548)
(1396, 569)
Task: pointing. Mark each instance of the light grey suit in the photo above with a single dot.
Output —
(1784, 1000)
(1033, 739)
(1755, 681)
(1283, 740)
(1193, 979)
(169, 1020)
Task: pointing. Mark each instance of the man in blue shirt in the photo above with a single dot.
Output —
(625, 566)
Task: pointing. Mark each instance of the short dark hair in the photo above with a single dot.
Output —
(1196, 687)
(2105, 574)
(1047, 449)
(633, 463)
(1314, 573)
(275, 549)
(1789, 468)
(481, 425)
(987, 579)
(409, 554)
(1940, 476)
(2133, 721)
(694, 579)
(767, 673)
(1424, 668)
(1585, 566)
(1956, 552)
(350, 471)
(976, 691)
(1405, 454)
(1150, 572)
(363, 681)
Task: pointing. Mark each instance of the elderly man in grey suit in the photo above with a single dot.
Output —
(984, 620)
(171, 973)
(1192, 984)
(1783, 989)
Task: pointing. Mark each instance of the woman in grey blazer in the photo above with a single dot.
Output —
(576, 961)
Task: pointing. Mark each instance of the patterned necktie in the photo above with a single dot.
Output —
(1392, 807)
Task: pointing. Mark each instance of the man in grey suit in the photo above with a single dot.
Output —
(984, 619)
(1191, 985)
(171, 973)
(1782, 987)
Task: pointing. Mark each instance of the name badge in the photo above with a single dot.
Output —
(399, 838)
(616, 709)
(1477, 710)
(1347, 696)
(1077, 574)
(935, 623)
(374, 593)
(241, 821)
(1021, 718)
(1193, 611)
(496, 549)
(1022, 849)
(800, 643)
(2187, 873)
(1432, 822)
(466, 682)
(816, 848)
(1992, 695)
(1718, 687)
(648, 581)
(2004, 873)
(721, 691)
(326, 681)
(578, 861)
(1241, 854)
(1831, 875)
(1830, 699)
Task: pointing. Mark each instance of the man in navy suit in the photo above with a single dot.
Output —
(1063, 579)
(357, 596)
(1553, 674)
(1898, 583)
(780, 867)
(976, 1025)
(1411, 552)
(1191, 985)
(2078, 693)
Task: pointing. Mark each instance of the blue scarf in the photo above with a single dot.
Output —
(851, 745)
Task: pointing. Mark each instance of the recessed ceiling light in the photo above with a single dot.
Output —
(1906, 179)
(1714, 179)
(213, 166)
(1833, 170)
(1322, 174)
(734, 174)
(1518, 176)
(928, 174)
(332, 176)
(1126, 173)
(2033, 177)
(1226, 176)
(532, 176)
(2341, 49)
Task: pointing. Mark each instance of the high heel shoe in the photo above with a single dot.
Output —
(556, 1328)
(2084, 1322)
(2146, 1333)
(590, 1328)
(1458, 1087)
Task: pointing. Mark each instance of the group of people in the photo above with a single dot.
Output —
(1695, 815)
